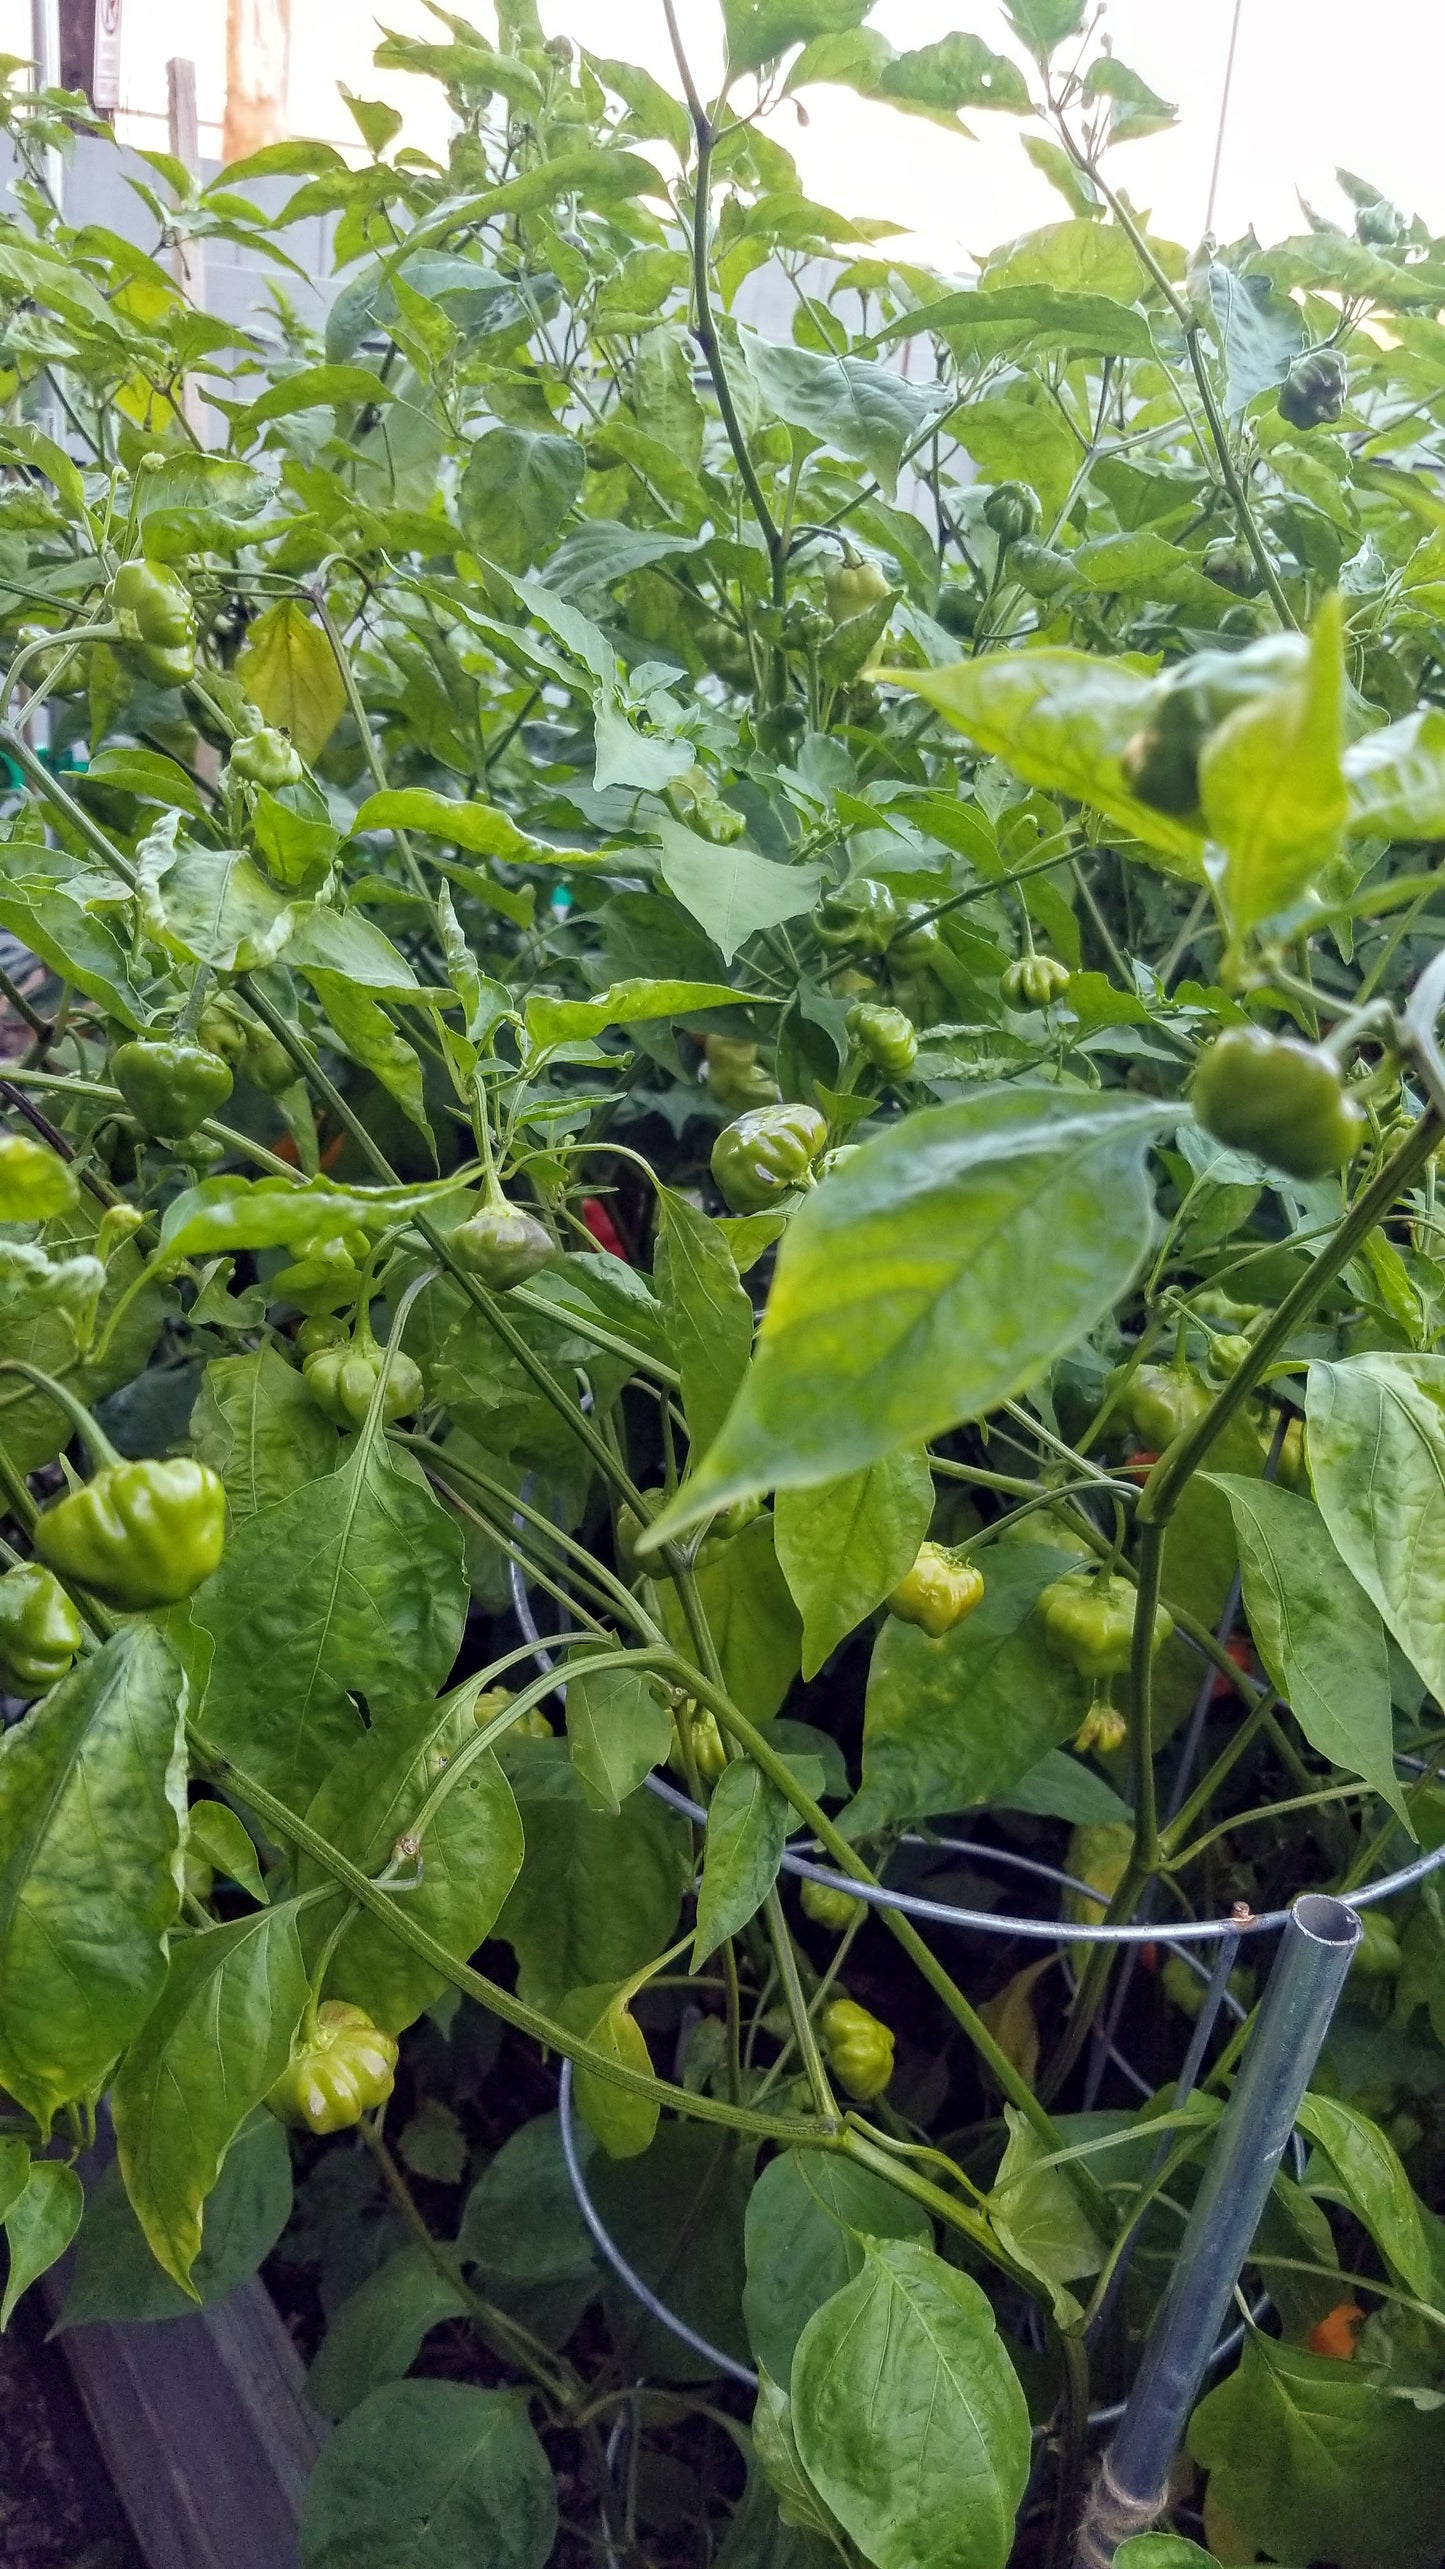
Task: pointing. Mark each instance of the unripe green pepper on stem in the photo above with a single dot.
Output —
(937, 1592)
(1281, 1099)
(40, 1630)
(143, 1533)
(170, 1084)
(767, 1154)
(858, 2048)
(157, 618)
(341, 2067)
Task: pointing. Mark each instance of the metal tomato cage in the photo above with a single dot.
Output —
(1318, 1936)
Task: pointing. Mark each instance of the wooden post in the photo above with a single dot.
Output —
(258, 66)
(188, 258)
(90, 51)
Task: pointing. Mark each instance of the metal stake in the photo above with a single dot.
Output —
(1131, 2491)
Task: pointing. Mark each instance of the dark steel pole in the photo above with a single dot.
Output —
(1131, 2490)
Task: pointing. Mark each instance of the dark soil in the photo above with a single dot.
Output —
(57, 2507)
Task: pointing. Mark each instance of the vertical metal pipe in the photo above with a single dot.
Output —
(1309, 1972)
(45, 49)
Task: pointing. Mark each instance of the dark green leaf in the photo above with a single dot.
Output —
(256, 1424)
(211, 2049)
(895, 1312)
(618, 1729)
(707, 1315)
(92, 1812)
(754, 1622)
(953, 1722)
(353, 1585)
(39, 2227)
(376, 2335)
(844, 1544)
(1312, 2459)
(747, 1825)
(731, 892)
(677, 2215)
(517, 488)
(1321, 1641)
(808, 2217)
(471, 1849)
(425, 2474)
(115, 2276)
(909, 2417)
(595, 1896)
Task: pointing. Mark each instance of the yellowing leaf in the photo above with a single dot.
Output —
(289, 671)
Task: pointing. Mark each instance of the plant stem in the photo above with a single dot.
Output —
(284, 1823)
(704, 330)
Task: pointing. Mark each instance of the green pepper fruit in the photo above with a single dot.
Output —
(157, 617)
(858, 2048)
(805, 626)
(66, 667)
(341, 1381)
(1231, 565)
(1098, 1854)
(267, 757)
(322, 1330)
(716, 821)
(827, 1907)
(889, 1039)
(1160, 1401)
(1160, 763)
(501, 1245)
(1228, 1350)
(698, 1729)
(726, 652)
(251, 1049)
(35, 1182)
(766, 1153)
(327, 1276)
(937, 1592)
(170, 1085)
(919, 942)
(1012, 511)
(735, 1076)
(141, 1534)
(1223, 1310)
(852, 586)
(862, 913)
(1313, 392)
(341, 2067)
(1279, 1098)
(958, 610)
(40, 1630)
(1088, 1620)
(1034, 981)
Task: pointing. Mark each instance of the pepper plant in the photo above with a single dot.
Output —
(722, 1142)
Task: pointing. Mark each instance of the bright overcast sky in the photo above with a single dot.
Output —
(1317, 82)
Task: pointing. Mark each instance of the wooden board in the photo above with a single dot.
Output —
(204, 2429)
